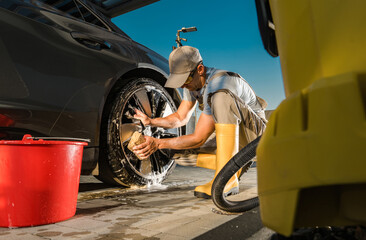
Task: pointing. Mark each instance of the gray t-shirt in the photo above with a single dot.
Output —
(236, 85)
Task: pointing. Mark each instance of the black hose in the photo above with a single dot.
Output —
(242, 158)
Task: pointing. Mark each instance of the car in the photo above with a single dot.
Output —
(68, 71)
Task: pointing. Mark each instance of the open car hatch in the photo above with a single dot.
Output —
(113, 8)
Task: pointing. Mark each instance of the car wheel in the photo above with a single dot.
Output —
(152, 99)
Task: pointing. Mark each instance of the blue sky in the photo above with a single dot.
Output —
(227, 37)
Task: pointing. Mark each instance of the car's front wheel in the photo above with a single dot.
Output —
(120, 164)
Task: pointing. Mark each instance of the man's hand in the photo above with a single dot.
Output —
(144, 150)
(142, 117)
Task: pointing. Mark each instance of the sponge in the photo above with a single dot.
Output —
(136, 139)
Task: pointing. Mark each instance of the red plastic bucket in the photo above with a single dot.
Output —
(39, 181)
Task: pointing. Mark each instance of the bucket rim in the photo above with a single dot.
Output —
(29, 140)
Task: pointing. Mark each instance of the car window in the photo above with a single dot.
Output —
(27, 9)
(75, 9)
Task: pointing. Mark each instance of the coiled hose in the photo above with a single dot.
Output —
(241, 159)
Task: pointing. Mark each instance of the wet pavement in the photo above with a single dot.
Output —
(167, 211)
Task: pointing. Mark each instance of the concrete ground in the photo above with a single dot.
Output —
(167, 211)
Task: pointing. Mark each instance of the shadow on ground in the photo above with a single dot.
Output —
(241, 227)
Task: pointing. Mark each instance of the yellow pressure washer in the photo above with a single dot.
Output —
(310, 160)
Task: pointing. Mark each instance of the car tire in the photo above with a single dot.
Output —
(120, 166)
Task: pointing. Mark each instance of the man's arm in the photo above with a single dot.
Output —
(174, 120)
(204, 128)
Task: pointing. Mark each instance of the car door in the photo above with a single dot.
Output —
(57, 57)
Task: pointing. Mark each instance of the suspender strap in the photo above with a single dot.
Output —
(261, 101)
(223, 73)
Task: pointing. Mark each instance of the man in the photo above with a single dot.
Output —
(228, 105)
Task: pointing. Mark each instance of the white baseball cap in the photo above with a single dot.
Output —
(182, 61)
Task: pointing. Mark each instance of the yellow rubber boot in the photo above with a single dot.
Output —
(227, 138)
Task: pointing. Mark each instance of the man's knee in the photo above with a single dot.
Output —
(220, 99)
(222, 109)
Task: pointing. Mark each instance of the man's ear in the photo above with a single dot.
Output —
(200, 69)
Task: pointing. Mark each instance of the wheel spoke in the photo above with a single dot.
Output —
(129, 112)
(160, 108)
(155, 162)
(146, 166)
(155, 98)
(143, 100)
(127, 129)
(167, 134)
(164, 153)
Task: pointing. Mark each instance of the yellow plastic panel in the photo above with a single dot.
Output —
(315, 138)
(319, 39)
(278, 210)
